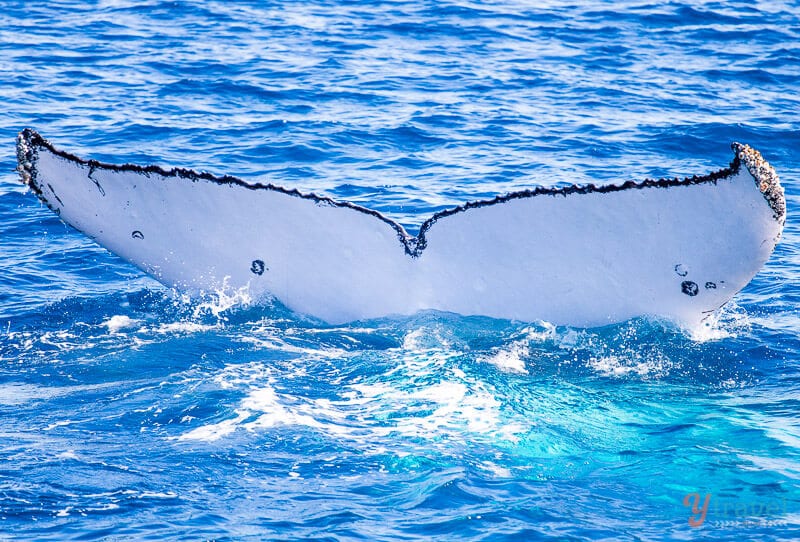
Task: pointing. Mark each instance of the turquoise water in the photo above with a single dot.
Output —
(129, 413)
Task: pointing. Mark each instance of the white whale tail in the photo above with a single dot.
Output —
(580, 255)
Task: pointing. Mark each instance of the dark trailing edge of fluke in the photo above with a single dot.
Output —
(29, 142)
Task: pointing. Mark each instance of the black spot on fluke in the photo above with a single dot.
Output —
(257, 267)
(136, 234)
(689, 288)
(711, 285)
(681, 270)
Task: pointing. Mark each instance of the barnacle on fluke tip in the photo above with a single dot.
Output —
(579, 255)
(766, 178)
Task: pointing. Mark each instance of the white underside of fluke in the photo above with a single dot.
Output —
(582, 256)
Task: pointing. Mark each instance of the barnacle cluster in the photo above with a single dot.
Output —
(766, 178)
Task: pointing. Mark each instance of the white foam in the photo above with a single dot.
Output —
(215, 431)
(496, 470)
(104, 508)
(424, 338)
(723, 323)
(510, 358)
(276, 343)
(118, 322)
(246, 374)
(223, 299)
(651, 366)
(58, 424)
(419, 398)
(158, 495)
(185, 327)
(68, 454)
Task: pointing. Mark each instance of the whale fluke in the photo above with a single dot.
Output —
(580, 255)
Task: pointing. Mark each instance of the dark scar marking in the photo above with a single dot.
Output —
(92, 169)
(29, 142)
(136, 234)
(681, 270)
(54, 194)
(711, 285)
(710, 312)
(257, 267)
(689, 288)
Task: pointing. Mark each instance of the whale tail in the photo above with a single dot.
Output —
(578, 255)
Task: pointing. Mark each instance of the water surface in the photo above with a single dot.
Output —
(128, 412)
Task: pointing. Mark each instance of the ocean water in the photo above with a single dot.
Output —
(128, 412)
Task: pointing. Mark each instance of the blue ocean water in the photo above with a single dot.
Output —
(130, 413)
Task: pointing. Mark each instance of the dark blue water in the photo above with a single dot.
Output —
(129, 413)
